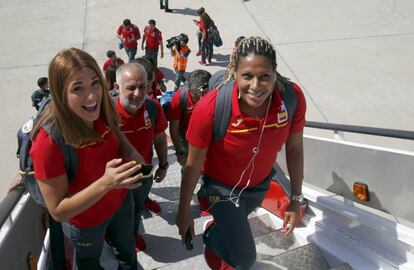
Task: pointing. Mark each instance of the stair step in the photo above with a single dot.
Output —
(165, 250)
(273, 244)
(307, 257)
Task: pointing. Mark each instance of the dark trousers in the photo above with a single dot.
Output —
(140, 195)
(165, 3)
(230, 237)
(206, 51)
(179, 77)
(184, 142)
(131, 52)
(88, 242)
(153, 54)
(57, 245)
(199, 37)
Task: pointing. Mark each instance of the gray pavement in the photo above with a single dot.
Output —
(353, 59)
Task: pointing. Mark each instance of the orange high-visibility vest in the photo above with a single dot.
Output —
(180, 63)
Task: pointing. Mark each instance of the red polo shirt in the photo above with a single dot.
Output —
(152, 38)
(127, 33)
(139, 129)
(109, 62)
(175, 112)
(227, 158)
(92, 158)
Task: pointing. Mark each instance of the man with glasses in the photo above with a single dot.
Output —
(181, 108)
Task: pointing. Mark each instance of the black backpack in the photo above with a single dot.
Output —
(26, 162)
(222, 111)
(184, 98)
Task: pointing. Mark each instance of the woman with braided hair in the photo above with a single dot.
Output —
(238, 167)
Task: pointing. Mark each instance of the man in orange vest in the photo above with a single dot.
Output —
(180, 54)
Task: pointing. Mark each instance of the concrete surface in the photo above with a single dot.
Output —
(353, 59)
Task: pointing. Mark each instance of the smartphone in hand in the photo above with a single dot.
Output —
(146, 170)
(188, 240)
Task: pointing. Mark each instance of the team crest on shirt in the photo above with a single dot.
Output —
(282, 115)
(238, 122)
(147, 119)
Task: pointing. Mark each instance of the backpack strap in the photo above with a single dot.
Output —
(222, 111)
(152, 109)
(45, 100)
(184, 98)
(289, 98)
(69, 152)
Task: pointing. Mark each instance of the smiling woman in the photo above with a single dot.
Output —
(85, 95)
(96, 200)
(237, 167)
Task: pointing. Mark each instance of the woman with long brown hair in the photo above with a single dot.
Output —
(96, 201)
(204, 24)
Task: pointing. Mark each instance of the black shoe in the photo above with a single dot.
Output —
(162, 7)
(168, 10)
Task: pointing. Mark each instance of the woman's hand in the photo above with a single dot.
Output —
(291, 218)
(121, 175)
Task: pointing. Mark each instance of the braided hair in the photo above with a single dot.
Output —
(257, 46)
(229, 73)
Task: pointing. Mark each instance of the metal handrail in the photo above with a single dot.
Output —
(9, 202)
(393, 133)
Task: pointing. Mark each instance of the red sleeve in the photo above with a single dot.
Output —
(200, 129)
(161, 124)
(298, 120)
(136, 32)
(201, 26)
(106, 65)
(159, 75)
(174, 113)
(47, 157)
(119, 31)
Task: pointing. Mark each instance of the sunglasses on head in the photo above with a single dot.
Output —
(203, 89)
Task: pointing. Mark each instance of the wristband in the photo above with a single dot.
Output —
(164, 167)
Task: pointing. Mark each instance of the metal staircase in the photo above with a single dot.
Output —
(165, 250)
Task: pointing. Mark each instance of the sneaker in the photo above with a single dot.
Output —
(140, 244)
(202, 63)
(168, 10)
(152, 206)
(204, 209)
(207, 225)
(209, 61)
(198, 53)
(225, 266)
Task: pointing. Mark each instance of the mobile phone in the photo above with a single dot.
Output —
(188, 240)
(146, 170)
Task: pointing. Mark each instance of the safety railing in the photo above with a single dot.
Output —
(392, 133)
(9, 202)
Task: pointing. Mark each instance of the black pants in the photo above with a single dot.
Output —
(231, 238)
(140, 195)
